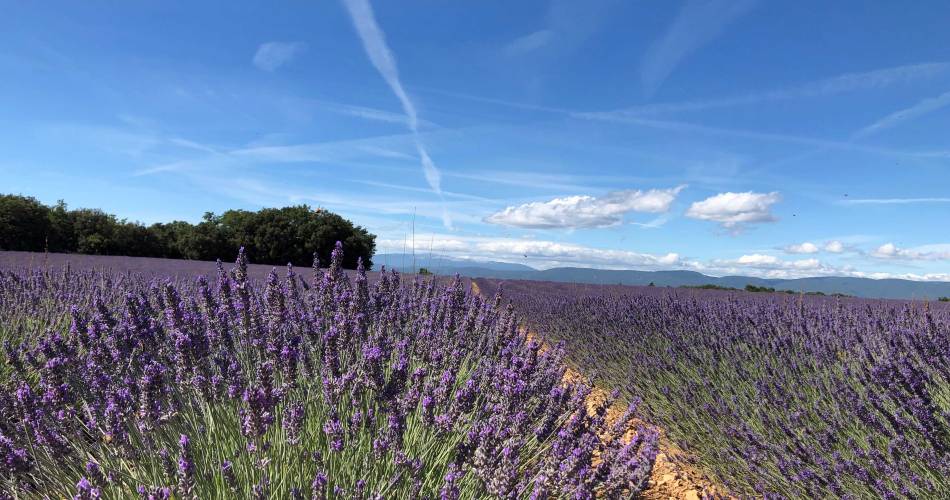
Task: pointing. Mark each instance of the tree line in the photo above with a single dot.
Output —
(270, 236)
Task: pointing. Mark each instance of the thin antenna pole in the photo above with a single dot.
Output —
(429, 258)
(405, 239)
(414, 240)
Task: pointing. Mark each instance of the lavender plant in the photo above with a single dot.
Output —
(123, 385)
(777, 396)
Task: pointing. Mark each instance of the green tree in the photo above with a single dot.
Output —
(95, 232)
(271, 236)
(293, 234)
(24, 223)
(62, 237)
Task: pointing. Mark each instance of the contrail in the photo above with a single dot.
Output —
(374, 42)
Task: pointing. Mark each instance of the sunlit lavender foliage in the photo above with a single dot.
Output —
(777, 395)
(121, 385)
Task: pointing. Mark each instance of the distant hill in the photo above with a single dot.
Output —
(858, 287)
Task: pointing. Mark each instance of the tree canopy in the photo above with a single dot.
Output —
(275, 236)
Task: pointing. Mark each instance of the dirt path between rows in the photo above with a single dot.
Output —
(671, 478)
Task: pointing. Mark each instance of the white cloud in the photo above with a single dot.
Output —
(834, 246)
(272, 55)
(698, 23)
(757, 260)
(735, 210)
(585, 211)
(374, 43)
(923, 107)
(771, 262)
(806, 247)
(928, 252)
(886, 251)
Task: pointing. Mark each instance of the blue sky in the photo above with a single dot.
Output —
(728, 137)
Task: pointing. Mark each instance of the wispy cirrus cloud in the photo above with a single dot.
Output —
(735, 211)
(698, 23)
(567, 24)
(574, 212)
(273, 55)
(529, 42)
(848, 82)
(382, 58)
(893, 201)
(894, 119)
(371, 114)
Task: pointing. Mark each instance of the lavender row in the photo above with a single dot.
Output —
(115, 385)
(778, 396)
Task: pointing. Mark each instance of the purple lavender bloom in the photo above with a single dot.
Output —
(230, 479)
(293, 420)
(14, 459)
(450, 489)
(318, 486)
(86, 491)
(186, 468)
(334, 431)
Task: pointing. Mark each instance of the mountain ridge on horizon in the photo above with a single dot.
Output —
(889, 288)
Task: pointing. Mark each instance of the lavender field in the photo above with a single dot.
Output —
(774, 395)
(119, 384)
(155, 378)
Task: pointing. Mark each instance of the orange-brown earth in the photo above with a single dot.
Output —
(672, 477)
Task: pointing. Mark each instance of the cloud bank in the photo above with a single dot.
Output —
(928, 252)
(545, 254)
(538, 253)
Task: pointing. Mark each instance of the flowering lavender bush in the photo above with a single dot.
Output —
(795, 397)
(120, 385)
